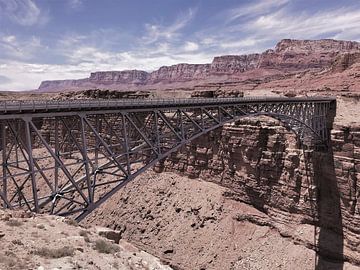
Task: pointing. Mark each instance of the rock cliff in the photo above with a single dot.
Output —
(262, 165)
(288, 57)
(120, 77)
(180, 72)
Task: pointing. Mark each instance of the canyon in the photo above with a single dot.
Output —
(304, 196)
(247, 195)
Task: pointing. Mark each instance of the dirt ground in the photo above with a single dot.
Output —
(48, 242)
(191, 224)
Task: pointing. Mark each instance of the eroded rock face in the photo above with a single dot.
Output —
(320, 46)
(180, 72)
(232, 64)
(58, 85)
(289, 57)
(345, 61)
(102, 94)
(262, 164)
(121, 77)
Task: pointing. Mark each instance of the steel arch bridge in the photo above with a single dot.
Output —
(68, 157)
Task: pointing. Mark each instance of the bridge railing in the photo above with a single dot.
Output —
(34, 105)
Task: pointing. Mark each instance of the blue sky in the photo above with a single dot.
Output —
(61, 39)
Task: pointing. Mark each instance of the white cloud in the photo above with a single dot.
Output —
(191, 46)
(25, 76)
(267, 22)
(247, 42)
(4, 80)
(254, 9)
(22, 12)
(157, 32)
(12, 47)
(333, 24)
(75, 4)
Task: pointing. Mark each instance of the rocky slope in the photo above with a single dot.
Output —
(192, 225)
(29, 241)
(288, 60)
(263, 167)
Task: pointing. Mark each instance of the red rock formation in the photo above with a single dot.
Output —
(121, 77)
(288, 57)
(263, 165)
(180, 72)
(345, 61)
(232, 64)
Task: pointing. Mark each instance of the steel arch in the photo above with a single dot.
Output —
(64, 159)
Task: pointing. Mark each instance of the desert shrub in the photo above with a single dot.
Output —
(71, 221)
(65, 233)
(85, 234)
(105, 246)
(14, 223)
(40, 226)
(116, 265)
(17, 242)
(55, 253)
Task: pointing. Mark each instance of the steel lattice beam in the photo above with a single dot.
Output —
(67, 158)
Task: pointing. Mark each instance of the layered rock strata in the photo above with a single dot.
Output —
(289, 57)
(262, 164)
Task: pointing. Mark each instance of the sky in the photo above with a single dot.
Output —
(68, 39)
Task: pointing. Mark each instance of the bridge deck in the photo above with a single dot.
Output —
(22, 107)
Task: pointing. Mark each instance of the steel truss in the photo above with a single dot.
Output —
(68, 160)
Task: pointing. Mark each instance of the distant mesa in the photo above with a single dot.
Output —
(288, 57)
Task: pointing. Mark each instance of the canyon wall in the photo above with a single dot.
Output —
(262, 164)
(289, 57)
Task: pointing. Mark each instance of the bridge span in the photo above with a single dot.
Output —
(68, 157)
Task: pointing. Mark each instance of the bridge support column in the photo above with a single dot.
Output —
(30, 157)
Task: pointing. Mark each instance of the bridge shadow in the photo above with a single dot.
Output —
(324, 196)
(329, 235)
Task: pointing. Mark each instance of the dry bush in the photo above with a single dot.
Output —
(14, 223)
(290, 94)
(65, 233)
(106, 247)
(17, 242)
(71, 222)
(116, 265)
(55, 253)
(85, 234)
(40, 226)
